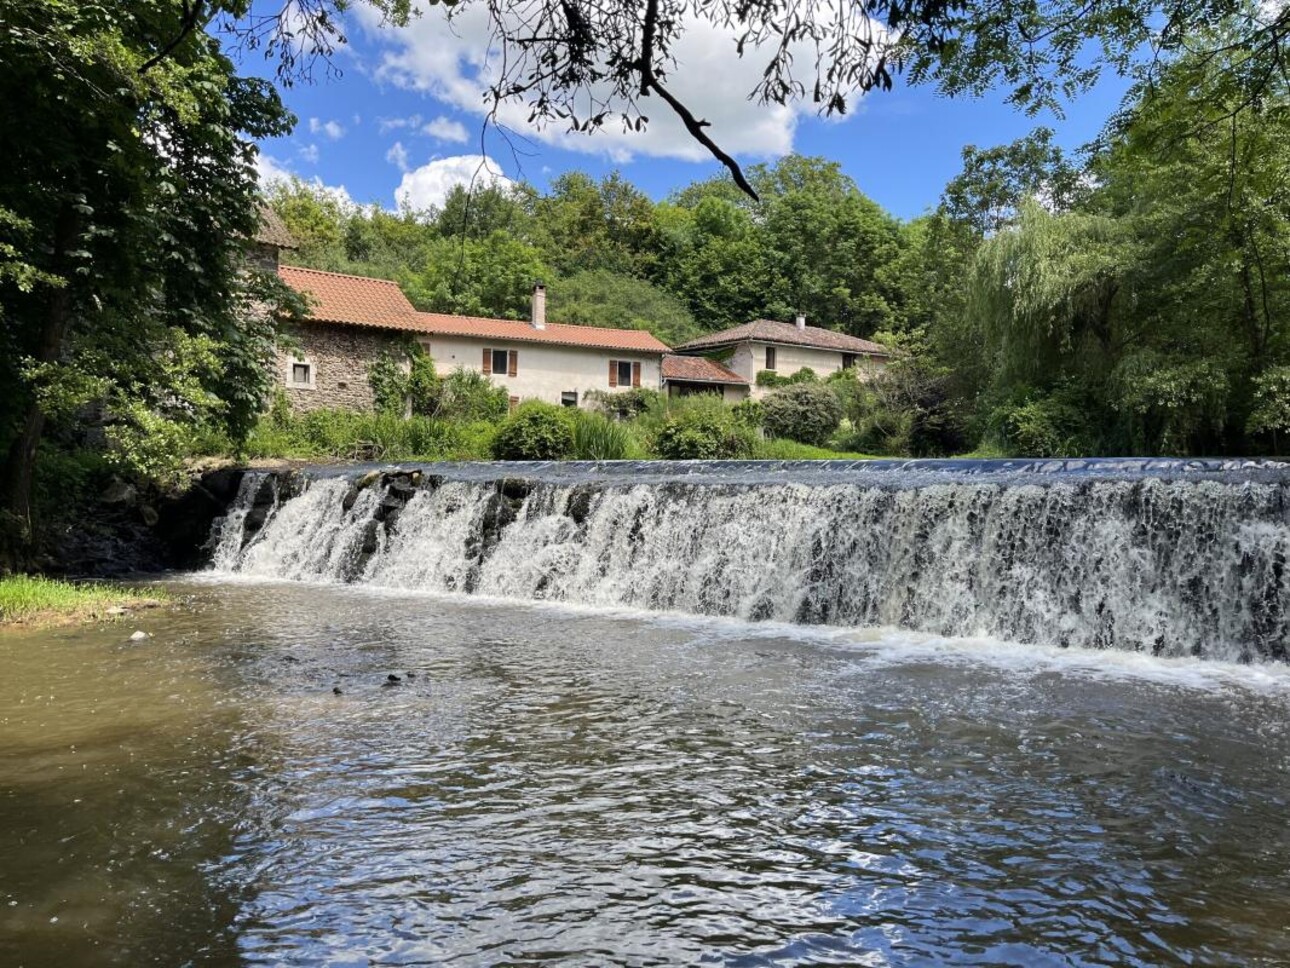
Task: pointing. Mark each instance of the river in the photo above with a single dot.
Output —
(548, 783)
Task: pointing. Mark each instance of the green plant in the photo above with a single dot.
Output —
(534, 431)
(469, 395)
(769, 378)
(623, 405)
(703, 428)
(806, 412)
(596, 437)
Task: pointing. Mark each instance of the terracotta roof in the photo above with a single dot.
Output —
(635, 340)
(353, 300)
(273, 231)
(771, 331)
(698, 369)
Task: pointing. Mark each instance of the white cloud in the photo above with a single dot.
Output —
(430, 184)
(331, 129)
(310, 153)
(445, 129)
(387, 125)
(269, 171)
(398, 156)
(453, 65)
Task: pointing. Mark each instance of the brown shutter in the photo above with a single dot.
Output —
(512, 363)
(636, 374)
(514, 402)
(488, 361)
(613, 373)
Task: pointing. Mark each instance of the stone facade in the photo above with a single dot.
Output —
(337, 358)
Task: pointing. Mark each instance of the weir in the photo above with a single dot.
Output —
(1174, 558)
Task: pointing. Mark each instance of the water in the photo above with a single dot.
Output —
(1167, 557)
(578, 786)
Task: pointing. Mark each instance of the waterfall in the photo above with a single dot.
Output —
(1171, 558)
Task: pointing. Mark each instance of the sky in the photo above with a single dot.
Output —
(402, 118)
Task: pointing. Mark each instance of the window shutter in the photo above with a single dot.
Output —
(636, 374)
(488, 361)
(613, 373)
(512, 363)
(514, 402)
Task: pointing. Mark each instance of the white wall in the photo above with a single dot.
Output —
(543, 371)
(749, 359)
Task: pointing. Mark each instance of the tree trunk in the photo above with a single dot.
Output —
(21, 465)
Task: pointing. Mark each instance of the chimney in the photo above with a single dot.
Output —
(801, 322)
(539, 306)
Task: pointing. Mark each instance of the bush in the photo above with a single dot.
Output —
(535, 431)
(469, 395)
(749, 413)
(807, 412)
(596, 437)
(1041, 426)
(769, 378)
(625, 405)
(703, 428)
(405, 378)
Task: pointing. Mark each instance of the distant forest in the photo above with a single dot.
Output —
(1131, 298)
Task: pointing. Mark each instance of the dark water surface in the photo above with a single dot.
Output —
(552, 786)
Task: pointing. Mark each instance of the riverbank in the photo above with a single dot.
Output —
(27, 600)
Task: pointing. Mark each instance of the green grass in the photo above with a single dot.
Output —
(781, 449)
(27, 599)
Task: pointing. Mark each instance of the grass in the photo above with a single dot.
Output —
(778, 448)
(31, 600)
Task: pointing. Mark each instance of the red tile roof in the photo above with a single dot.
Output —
(379, 303)
(352, 300)
(560, 334)
(698, 369)
(772, 331)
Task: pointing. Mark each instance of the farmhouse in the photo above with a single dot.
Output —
(781, 349)
(354, 321)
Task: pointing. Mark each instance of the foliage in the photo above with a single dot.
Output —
(347, 435)
(469, 395)
(596, 437)
(406, 380)
(702, 428)
(807, 412)
(600, 297)
(1271, 412)
(770, 378)
(535, 431)
(624, 404)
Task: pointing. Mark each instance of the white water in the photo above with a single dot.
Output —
(1182, 567)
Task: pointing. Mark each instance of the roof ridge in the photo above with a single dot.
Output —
(526, 322)
(338, 275)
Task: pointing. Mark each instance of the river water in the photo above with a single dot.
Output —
(551, 784)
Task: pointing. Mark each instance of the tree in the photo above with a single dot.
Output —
(128, 181)
(603, 298)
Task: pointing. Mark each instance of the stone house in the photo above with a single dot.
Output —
(783, 349)
(354, 321)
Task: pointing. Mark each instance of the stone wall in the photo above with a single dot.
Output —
(338, 357)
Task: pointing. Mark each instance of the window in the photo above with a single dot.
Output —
(501, 362)
(569, 398)
(770, 357)
(848, 360)
(624, 373)
(302, 374)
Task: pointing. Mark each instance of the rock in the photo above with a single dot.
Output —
(139, 636)
(116, 610)
(335, 691)
(515, 488)
(119, 492)
(149, 515)
(393, 678)
(350, 497)
(368, 479)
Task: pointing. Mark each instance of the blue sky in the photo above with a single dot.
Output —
(406, 117)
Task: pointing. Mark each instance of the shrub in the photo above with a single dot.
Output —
(535, 431)
(1041, 426)
(703, 428)
(625, 405)
(749, 413)
(806, 412)
(769, 378)
(405, 378)
(469, 395)
(596, 437)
